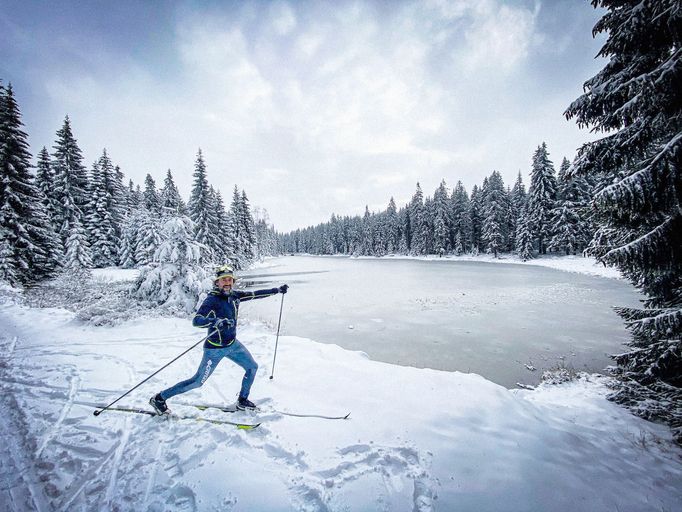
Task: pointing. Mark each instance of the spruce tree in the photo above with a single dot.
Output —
(248, 230)
(25, 224)
(199, 204)
(70, 181)
(418, 224)
(150, 196)
(476, 218)
(541, 196)
(171, 200)
(77, 260)
(524, 236)
(461, 219)
(101, 221)
(392, 228)
(495, 214)
(569, 229)
(175, 278)
(442, 219)
(517, 203)
(636, 100)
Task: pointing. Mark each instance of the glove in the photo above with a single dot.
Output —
(223, 323)
(283, 288)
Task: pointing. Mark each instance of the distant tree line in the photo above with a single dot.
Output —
(60, 216)
(554, 215)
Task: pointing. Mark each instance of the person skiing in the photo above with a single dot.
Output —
(219, 313)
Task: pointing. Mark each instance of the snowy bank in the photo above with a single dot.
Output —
(416, 440)
(578, 264)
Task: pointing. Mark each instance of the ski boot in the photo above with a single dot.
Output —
(244, 404)
(159, 404)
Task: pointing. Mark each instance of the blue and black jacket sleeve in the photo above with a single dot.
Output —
(257, 294)
(205, 315)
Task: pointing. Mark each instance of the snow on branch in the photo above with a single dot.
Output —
(647, 245)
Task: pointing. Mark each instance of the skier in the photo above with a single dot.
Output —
(219, 313)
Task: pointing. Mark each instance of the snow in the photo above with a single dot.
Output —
(416, 440)
(578, 264)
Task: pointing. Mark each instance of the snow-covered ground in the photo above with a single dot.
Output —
(416, 440)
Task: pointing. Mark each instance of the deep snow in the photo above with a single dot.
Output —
(416, 439)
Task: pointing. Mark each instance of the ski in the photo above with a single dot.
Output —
(241, 426)
(233, 408)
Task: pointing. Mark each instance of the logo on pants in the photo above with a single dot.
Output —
(207, 371)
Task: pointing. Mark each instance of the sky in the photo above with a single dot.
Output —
(311, 107)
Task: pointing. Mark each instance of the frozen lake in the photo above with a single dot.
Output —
(486, 318)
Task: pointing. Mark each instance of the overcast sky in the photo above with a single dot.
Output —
(312, 107)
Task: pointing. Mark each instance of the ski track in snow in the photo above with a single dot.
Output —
(66, 459)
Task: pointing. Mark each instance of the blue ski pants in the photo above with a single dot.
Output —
(236, 352)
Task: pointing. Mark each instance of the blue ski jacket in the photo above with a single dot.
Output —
(219, 305)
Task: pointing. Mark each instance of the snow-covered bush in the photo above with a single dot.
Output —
(175, 279)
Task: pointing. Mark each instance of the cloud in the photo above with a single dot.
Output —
(352, 104)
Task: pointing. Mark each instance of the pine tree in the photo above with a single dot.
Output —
(636, 100)
(70, 181)
(44, 181)
(77, 260)
(247, 230)
(517, 203)
(171, 201)
(541, 196)
(392, 228)
(199, 203)
(495, 214)
(461, 219)
(148, 237)
(175, 278)
(150, 196)
(442, 219)
(476, 217)
(101, 221)
(418, 224)
(569, 227)
(524, 236)
(24, 222)
(367, 234)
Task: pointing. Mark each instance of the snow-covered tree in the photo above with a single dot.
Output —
(461, 219)
(517, 204)
(570, 231)
(541, 196)
(636, 101)
(476, 219)
(392, 227)
(24, 222)
(175, 279)
(171, 200)
(70, 181)
(524, 236)
(418, 224)
(442, 219)
(148, 237)
(77, 260)
(495, 214)
(101, 220)
(199, 206)
(150, 196)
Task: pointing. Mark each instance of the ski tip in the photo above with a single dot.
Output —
(346, 416)
(248, 427)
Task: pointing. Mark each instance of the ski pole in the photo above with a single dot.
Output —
(272, 374)
(100, 411)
